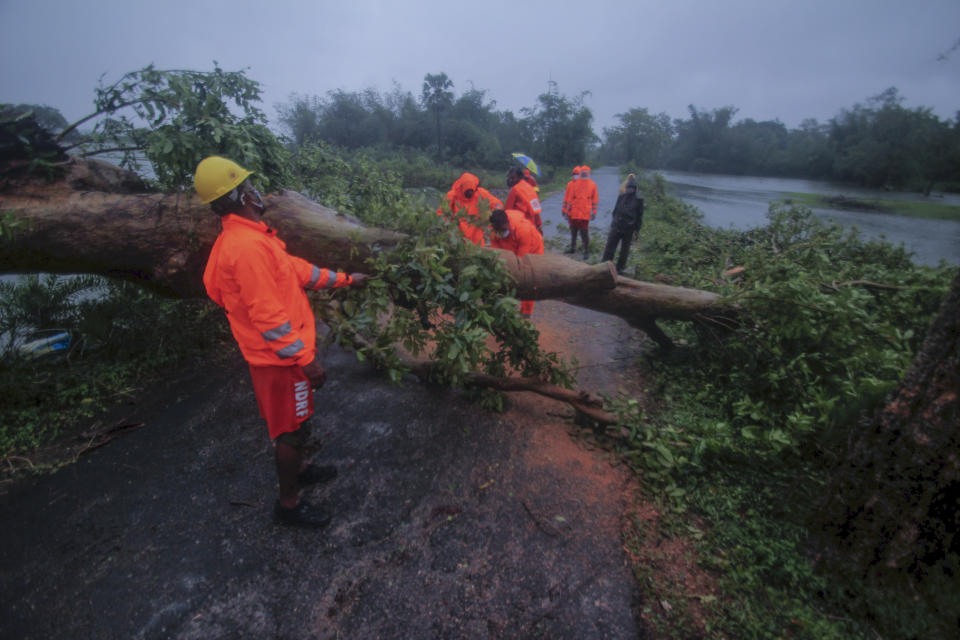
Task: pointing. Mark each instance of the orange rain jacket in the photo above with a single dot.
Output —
(583, 201)
(569, 191)
(458, 201)
(523, 197)
(523, 238)
(261, 287)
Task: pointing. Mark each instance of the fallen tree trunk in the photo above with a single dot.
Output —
(99, 219)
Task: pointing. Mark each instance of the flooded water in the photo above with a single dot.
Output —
(741, 202)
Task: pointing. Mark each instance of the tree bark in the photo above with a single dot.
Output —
(99, 219)
(894, 503)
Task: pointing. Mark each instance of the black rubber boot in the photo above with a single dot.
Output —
(304, 515)
(315, 474)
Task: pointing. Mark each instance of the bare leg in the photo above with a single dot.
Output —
(289, 463)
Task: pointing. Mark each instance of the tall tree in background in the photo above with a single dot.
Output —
(437, 97)
(559, 128)
(300, 119)
(471, 130)
(809, 154)
(885, 145)
(701, 141)
(641, 138)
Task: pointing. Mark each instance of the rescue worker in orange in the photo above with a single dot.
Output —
(522, 197)
(262, 288)
(464, 198)
(582, 209)
(512, 231)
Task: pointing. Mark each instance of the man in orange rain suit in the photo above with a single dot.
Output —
(522, 197)
(464, 198)
(512, 231)
(261, 287)
(582, 209)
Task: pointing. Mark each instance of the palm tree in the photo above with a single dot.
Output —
(436, 97)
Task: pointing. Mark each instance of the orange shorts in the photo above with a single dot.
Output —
(284, 397)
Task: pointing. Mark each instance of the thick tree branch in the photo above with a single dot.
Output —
(99, 219)
(584, 402)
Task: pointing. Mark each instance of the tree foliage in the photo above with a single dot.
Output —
(559, 128)
(465, 130)
(641, 138)
(758, 416)
(174, 119)
(437, 98)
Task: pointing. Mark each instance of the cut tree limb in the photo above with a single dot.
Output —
(586, 403)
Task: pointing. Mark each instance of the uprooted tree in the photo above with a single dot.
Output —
(96, 218)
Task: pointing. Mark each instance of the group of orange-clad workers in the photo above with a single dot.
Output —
(516, 226)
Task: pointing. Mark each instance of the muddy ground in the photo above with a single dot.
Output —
(449, 522)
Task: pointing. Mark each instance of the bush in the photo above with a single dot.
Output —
(123, 337)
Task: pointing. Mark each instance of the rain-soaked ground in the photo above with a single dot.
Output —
(450, 522)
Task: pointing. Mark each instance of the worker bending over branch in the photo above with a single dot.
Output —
(512, 230)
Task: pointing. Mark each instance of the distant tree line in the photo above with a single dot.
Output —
(879, 144)
(426, 137)
(466, 130)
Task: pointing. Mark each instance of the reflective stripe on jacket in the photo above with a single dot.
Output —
(523, 197)
(250, 274)
(523, 238)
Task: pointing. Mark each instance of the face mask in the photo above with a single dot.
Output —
(252, 197)
(502, 233)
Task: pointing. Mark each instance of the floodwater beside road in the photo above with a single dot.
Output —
(741, 202)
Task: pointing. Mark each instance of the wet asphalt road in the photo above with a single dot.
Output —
(450, 523)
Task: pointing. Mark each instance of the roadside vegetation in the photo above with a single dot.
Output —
(754, 418)
(122, 339)
(742, 427)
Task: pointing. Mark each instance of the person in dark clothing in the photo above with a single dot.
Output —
(627, 220)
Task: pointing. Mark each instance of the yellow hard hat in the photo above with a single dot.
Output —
(217, 177)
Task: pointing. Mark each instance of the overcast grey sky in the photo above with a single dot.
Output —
(772, 59)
